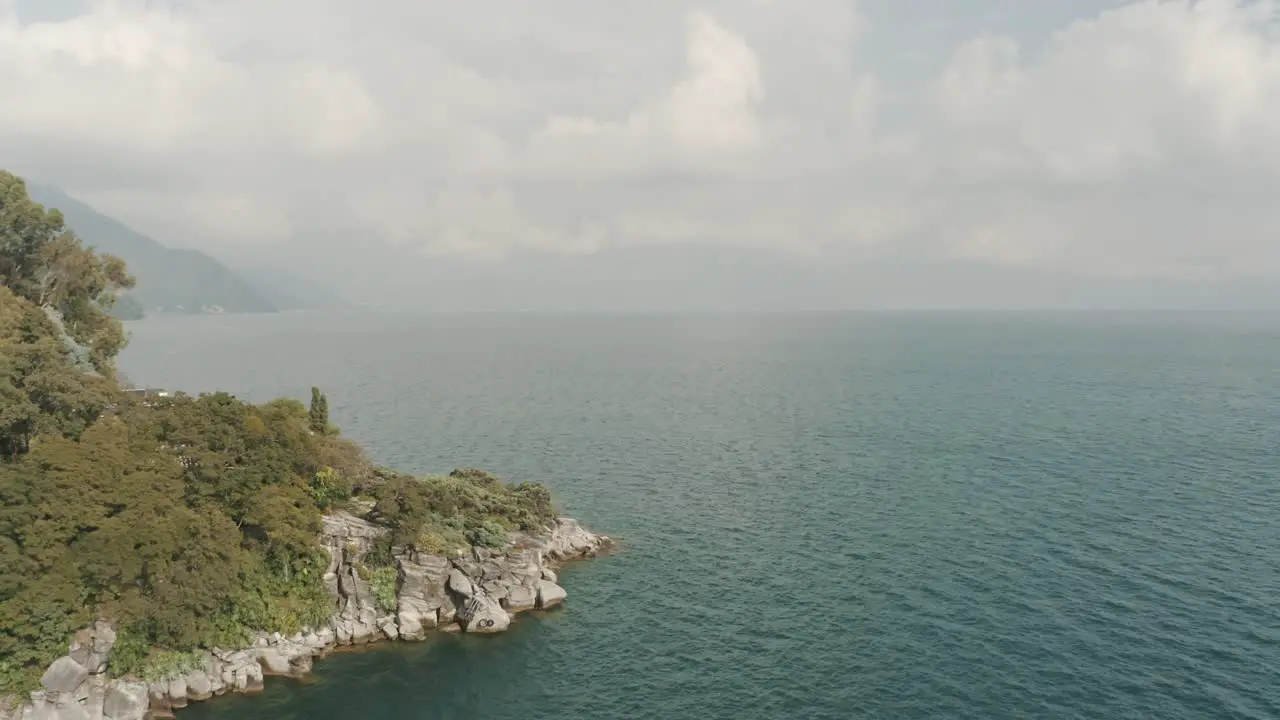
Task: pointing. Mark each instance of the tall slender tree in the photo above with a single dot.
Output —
(319, 412)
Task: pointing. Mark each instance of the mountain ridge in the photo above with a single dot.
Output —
(172, 280)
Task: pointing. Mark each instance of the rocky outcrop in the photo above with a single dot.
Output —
(347, 539)
(477, 592)
(75, 686)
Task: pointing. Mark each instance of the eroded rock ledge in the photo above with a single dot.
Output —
(479, 592)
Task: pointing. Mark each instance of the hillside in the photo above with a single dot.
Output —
(169, 279)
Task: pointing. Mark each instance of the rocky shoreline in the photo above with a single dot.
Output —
(476, 592)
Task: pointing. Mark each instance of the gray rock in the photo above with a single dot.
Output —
(568, 540)
(482, 614)
(359, 610)
(549, 575)
(60, 708)
(460, 584)
(158, 695)
(301, 665)
(550, 594)
(446, 615)
(218, 677)
(274, 662)
(496, 589)
(64, 676)
(177, 692)
(95, 696)
(247, 678)
(342, 631)
(92, 646)
(125, 701)
(321, 639)
(469, 568)
(199, 686)
(422, 580)
(520, 599)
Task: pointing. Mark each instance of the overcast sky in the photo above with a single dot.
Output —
(669, 152)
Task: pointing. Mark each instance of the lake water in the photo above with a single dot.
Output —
(823, 516)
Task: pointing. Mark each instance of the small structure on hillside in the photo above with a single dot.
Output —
(147, 393)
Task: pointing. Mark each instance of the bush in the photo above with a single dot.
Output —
(382, 582)
(328, 487)
(467, 505)
(166, 664)
(129, 654)
(379, 554)
(489, 533)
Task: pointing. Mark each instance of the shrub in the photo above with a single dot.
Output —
(129, 654)
(379, 554)
(328, 487)
(489, 533)
(166, 664)
(382, 582)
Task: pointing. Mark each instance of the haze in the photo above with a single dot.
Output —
(664, 154)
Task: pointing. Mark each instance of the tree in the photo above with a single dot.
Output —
(319, 412)
(46, 264)
(41, 388)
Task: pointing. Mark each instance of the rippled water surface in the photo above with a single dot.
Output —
(881, 516)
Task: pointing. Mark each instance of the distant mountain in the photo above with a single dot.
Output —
(288, 291)
(169, 279)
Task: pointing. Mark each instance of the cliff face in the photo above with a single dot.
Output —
(479, 592)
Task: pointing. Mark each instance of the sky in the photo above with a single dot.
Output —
(671, 153)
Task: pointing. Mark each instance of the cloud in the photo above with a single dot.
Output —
(709, 115)
(1135, 141)
(1139, 141)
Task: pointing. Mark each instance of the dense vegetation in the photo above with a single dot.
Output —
(187, 521)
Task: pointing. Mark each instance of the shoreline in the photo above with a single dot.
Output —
(479, 592)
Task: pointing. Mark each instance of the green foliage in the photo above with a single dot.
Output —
(47, 265)
(328, 487)
(382, 582)
(443, 535)
(380, 554)
(130, 653)
(471, 506)
(171, 663)
(489, 533)
(319, 412)
(41, 389)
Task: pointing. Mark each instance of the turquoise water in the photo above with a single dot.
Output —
(839, 516)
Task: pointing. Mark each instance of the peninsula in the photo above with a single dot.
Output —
(157, 550)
